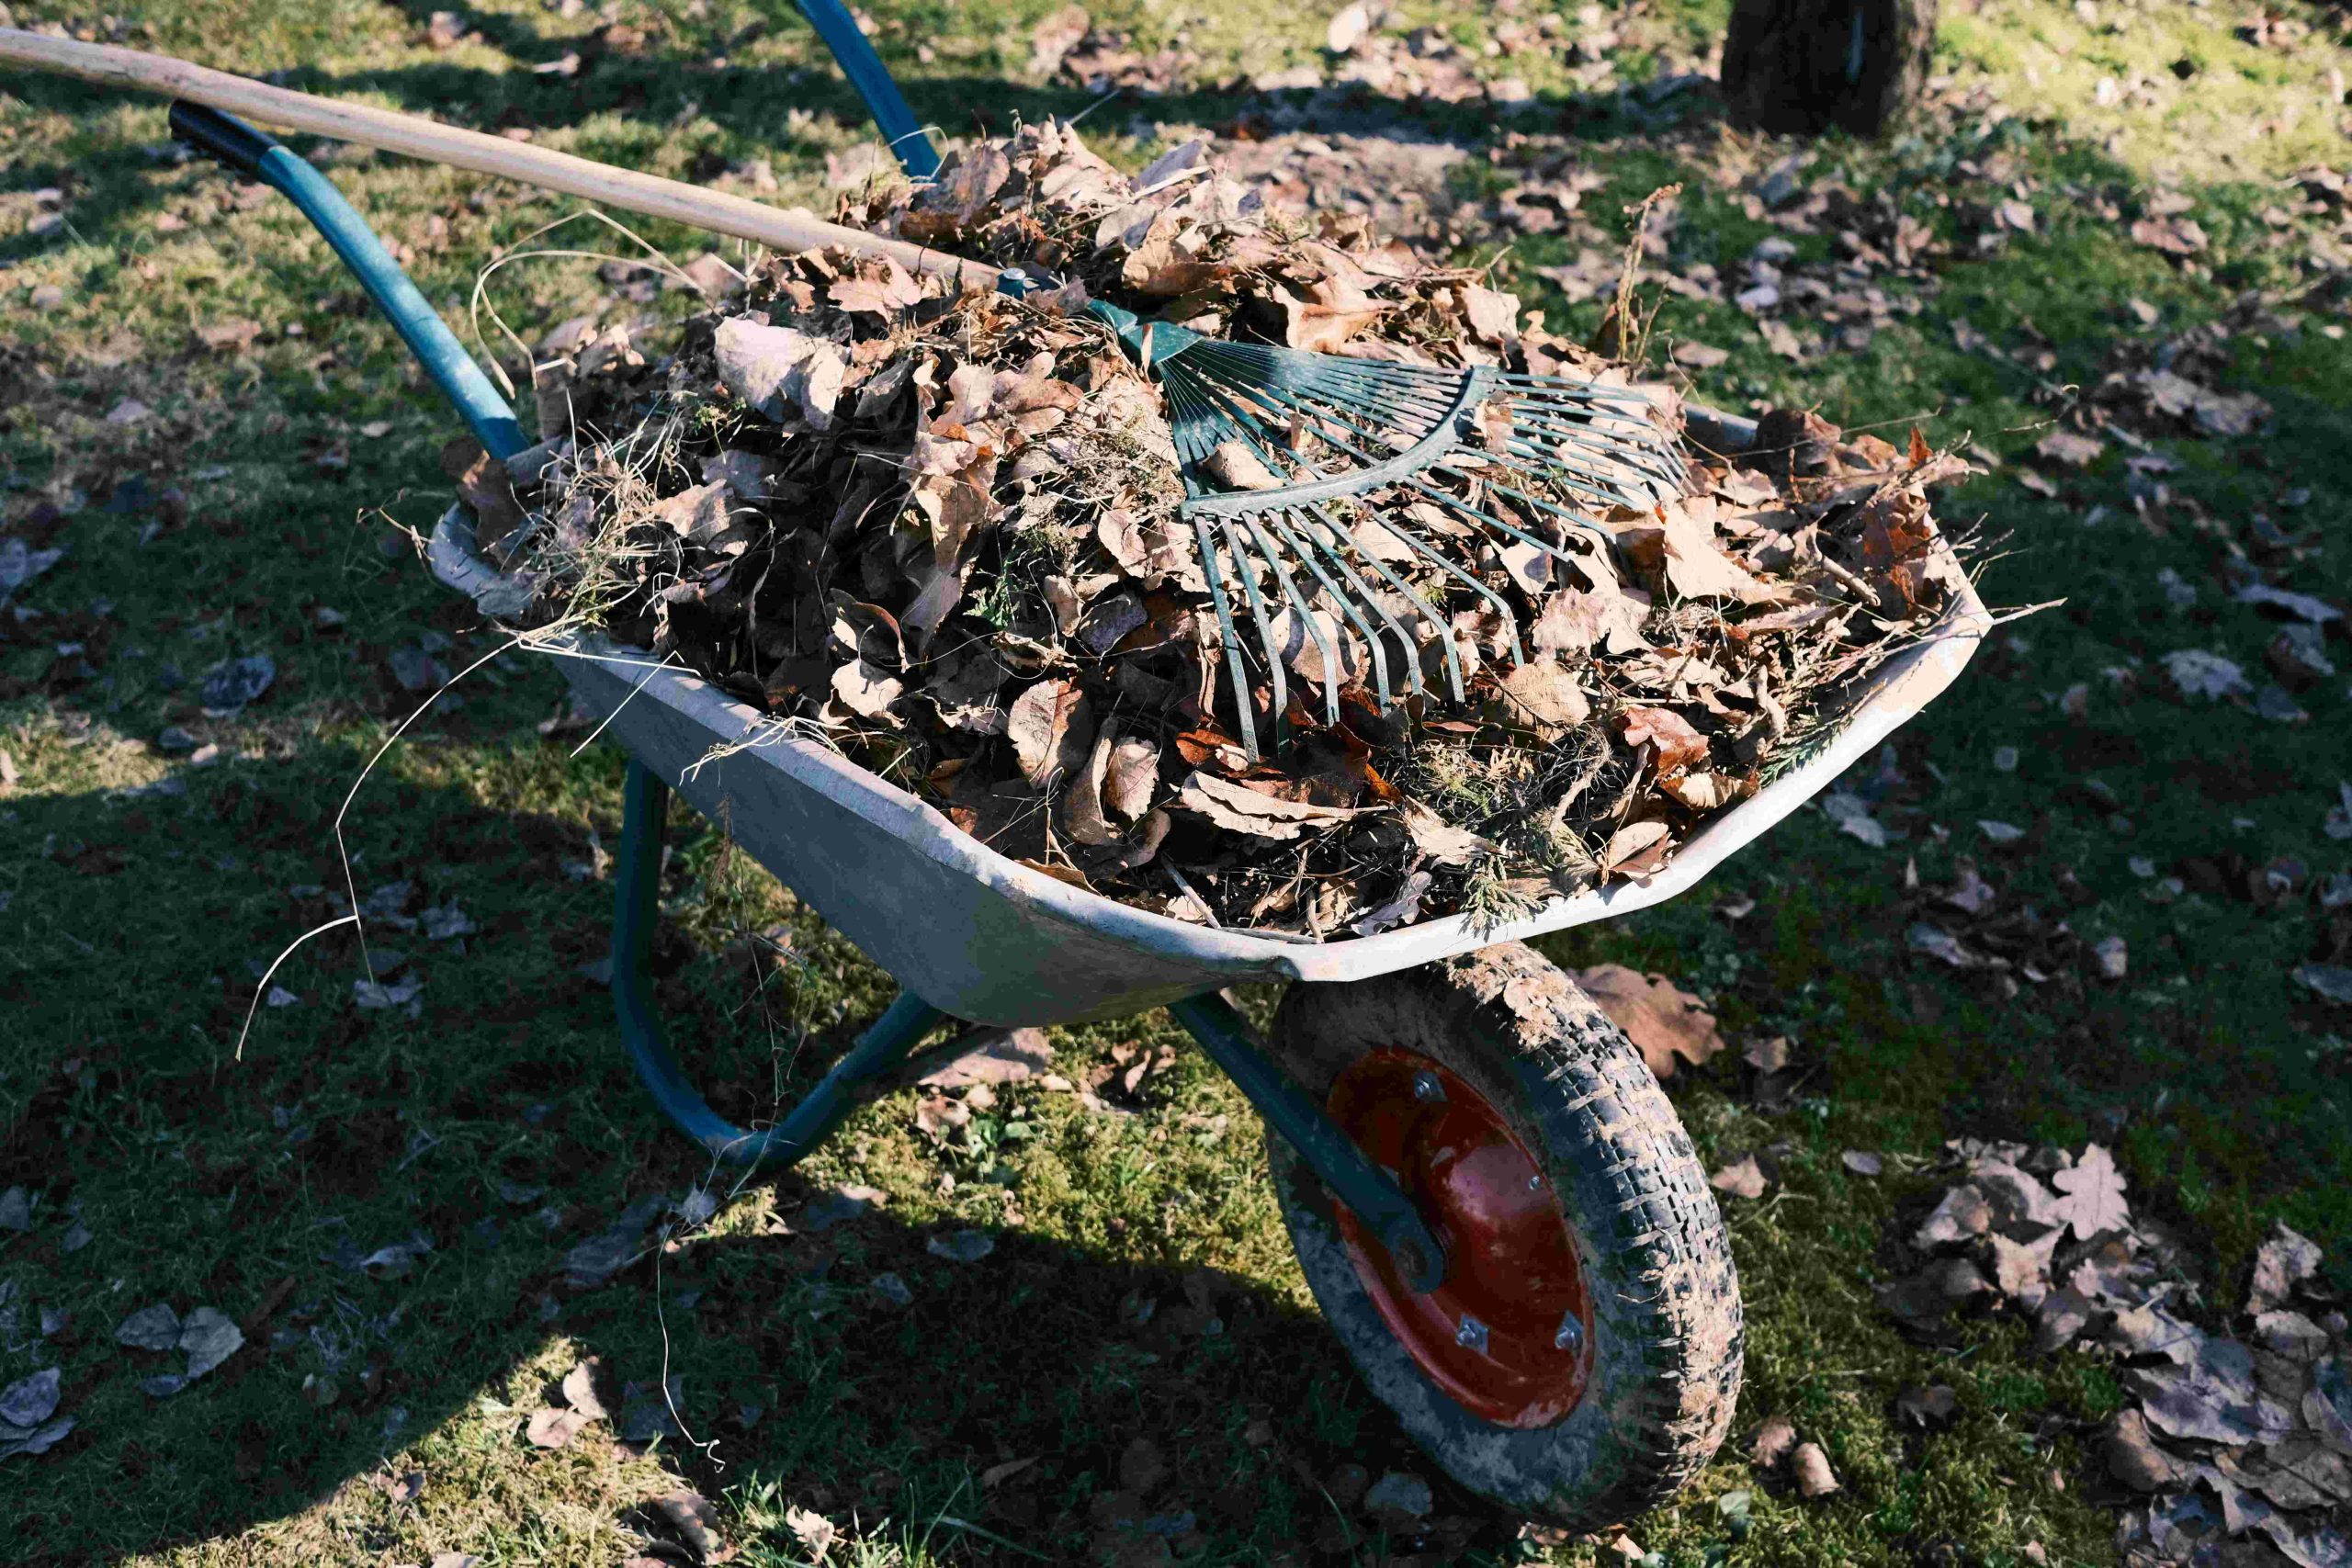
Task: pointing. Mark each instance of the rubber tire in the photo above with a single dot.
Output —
(1666, 1332)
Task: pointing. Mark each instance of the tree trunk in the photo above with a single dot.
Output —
(1800, 67)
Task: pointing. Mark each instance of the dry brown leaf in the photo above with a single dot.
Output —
(1081, 810)
(1961, 1216)
(1049, 730)
(555, 1428)
(1637, 850)
(2077, 451)
(1241, 809)
(2133, 1458)
(2281, 1264)
(996, 1056)
(1440, 841)
(1542, 695)
(1133, 779)
(2093, 1194)
(1577, 621)
(580, 1390)
(1673, 743)
(1679, 554)
(867, 689)
(1773, 1442)
(1660, 1018)
(1235, 466)
(486, 487)
(1491, 314)
(1700, 791)
(1928, 1408)
(1742, 1178)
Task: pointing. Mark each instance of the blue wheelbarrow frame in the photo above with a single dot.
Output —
(972, 937)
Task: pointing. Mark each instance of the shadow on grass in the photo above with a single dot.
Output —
(850, 1369)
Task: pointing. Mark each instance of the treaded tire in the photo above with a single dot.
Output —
(1666, 1335)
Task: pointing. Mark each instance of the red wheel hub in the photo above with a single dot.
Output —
(1508, 1333)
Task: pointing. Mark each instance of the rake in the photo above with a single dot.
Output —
(1332, 445)
(1355, 443)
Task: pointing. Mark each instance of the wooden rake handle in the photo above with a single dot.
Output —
(415, 137)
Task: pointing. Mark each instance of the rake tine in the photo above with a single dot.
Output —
(1248, 575)
(1307, 550)
(1592, 459)
(1338, 547)
(1457, 504)
(1441, 630)
(1436, 557)
(1387, 436)
(1304, 612)
(1231, 636)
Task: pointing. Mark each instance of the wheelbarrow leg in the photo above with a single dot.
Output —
(1369, 1191)
(645, 801)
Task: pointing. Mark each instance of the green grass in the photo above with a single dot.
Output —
(134, 915)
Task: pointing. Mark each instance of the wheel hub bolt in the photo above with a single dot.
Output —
(1471, 1335)
(1427, 1090)
(1571, 1334)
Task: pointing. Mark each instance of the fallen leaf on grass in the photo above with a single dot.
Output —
(1773, 1442)
(2133, 1458)
(2093, 1194)
(994, 1056)
(595, 1261)
(1742, 1178)
(1959, 1216)
(210, 1337)
(1660, 1018)
(961, 1246)
(1861, 1162)
(156, 1327)
(815, 1532)
(1852, 815)
(554, 1429)
(695, 1520)
(2070, 449)
(1939, 943)
(30, 1401)
(1928, 1408)
(233, 683)
(1399, 1498)
(837, 1206)
(2281, 1264)
(2113, 957)
(2329, 982)
(2200, 673)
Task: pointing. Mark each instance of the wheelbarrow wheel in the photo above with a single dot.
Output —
(1581, 1358)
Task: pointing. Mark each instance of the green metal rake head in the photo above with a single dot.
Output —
(1353, 442)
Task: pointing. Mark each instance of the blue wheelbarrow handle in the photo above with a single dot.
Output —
(872, 79)
(437, 348)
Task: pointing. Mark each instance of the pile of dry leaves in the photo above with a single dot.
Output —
(937, 527)
(2239, 1444)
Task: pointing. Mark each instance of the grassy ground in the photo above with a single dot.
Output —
(1140, 1293)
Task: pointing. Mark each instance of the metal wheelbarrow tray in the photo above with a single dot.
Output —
(983, 938)
(1488, 1193)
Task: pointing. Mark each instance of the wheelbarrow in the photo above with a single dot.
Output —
(1490, 1194)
